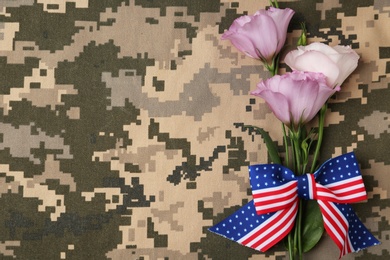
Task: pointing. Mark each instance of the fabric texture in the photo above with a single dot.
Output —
(122, 125)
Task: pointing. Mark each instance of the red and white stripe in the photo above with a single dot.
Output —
(283, 200)
(346, 191)
(336, 226)
(272, 230)
(275, 198)
(312, 186)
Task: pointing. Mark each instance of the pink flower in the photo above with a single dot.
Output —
(296, 97)
(336, 63)
(262, 35)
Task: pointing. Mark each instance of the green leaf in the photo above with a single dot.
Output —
(302, 41)
(271, 147)
(313, 226)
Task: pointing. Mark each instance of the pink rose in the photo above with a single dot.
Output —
(296, 97)
(262, 35)
(336, 63)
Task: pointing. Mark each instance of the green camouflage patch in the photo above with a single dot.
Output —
(121, 131)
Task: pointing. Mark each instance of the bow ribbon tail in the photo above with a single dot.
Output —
(345, 228)
(259, 232)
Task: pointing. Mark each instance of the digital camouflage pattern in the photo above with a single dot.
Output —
(121, 125)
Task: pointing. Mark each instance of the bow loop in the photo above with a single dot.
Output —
(340, 180)
(273, 187)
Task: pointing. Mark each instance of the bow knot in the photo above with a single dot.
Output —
(276, 190)
(306, 186)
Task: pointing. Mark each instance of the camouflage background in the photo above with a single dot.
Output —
(121, 125)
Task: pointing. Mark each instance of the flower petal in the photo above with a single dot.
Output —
(314, 61)
(282, 19)
(276, 101)
(262, 31)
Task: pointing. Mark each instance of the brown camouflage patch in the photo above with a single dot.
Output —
(121, 132)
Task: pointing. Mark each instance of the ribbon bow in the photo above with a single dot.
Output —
(270, 216)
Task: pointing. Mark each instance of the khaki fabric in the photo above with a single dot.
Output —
(121, 125)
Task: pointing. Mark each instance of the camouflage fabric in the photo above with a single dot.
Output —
(121, 125)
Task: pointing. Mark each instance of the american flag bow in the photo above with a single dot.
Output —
(270, 216)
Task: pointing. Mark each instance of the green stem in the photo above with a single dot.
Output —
(290, 246)
(274, 3)
(274, 67)
(297, 154)
(299, 229)
(296, 251)
(287, 155)
(321, 122)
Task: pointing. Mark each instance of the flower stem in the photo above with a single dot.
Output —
(300, 150)
(290, 246)
(299, 229)
(297, 151)
(321, 122)
(274, 3)
(287, 155)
